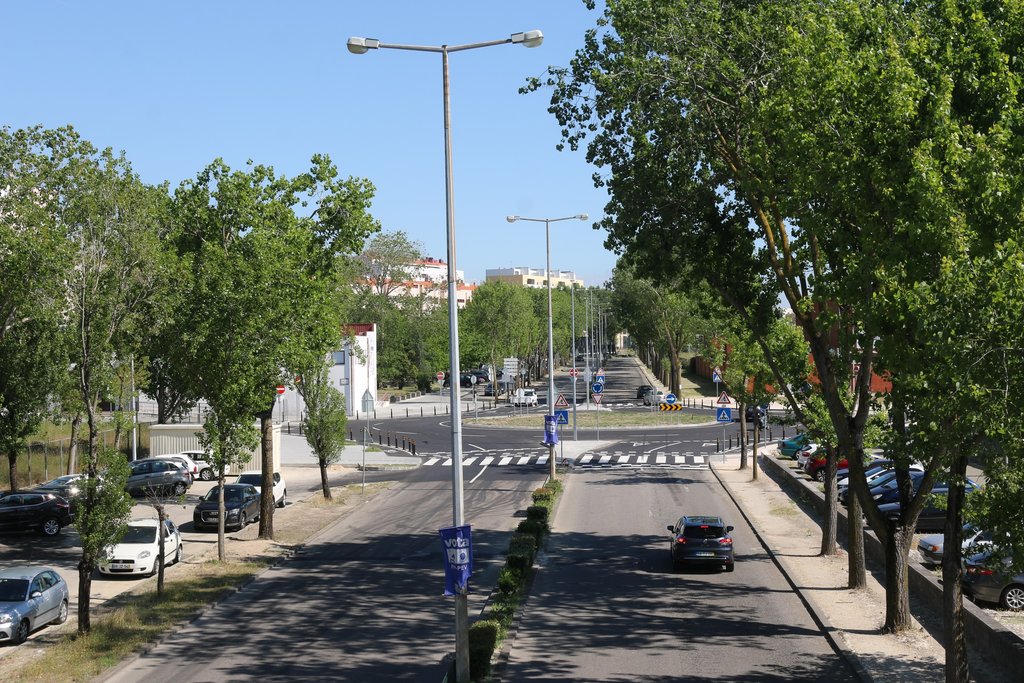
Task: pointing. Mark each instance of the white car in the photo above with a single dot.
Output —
(139, 551)
(653, 398)
(255, 478)
(524, 397)
(204, 462)
(804, 454)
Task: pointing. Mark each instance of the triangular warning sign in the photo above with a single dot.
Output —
(560, 402)
(724, 399)
(597, 398)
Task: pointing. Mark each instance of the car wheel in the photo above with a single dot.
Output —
(180, 488)
(1012, 597)
(177, 554)
(284, 499)
(21, 635)
(206, 475)
(156, 565)
(730, 566)
(62, 615)
(242, 521)
(50, 526)
(819, 475)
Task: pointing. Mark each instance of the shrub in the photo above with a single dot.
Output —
(483, 638)
(510, 580)
(519, 562)
(537, 513)
(543, 494)
(522, 544)
(423, 381)
(533, 527)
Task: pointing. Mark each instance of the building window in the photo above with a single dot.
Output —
(339, 357)
(530, 281)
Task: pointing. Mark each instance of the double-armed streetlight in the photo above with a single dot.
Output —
(551, 343)
(360, 46)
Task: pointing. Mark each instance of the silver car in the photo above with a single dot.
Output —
(30, 597)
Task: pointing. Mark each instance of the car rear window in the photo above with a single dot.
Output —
(703, 531)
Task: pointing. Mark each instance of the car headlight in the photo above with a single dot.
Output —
(232, 513)
(6, 618)
(144, 554)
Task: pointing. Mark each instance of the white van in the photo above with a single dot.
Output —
(524, 397)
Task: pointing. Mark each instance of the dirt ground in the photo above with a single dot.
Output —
(853, 617)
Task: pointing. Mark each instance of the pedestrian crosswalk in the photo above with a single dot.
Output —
(592, 460)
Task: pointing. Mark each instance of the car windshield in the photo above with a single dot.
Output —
(230, 494)
(254, 479)
(13, 590)
(140, 534)
(59, 482)
(703, 531)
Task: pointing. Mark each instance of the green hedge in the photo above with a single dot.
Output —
(538, 513)
(483, 639)
(533, 527)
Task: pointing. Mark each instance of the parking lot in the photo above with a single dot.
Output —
(63, 551)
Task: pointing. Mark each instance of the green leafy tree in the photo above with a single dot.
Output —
(497, 323)
(325, 421)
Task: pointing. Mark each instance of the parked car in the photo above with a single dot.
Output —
(68, 487)
(875, 480)
(503, 387)
(932, 518)
(154, 476)
(889, 493)
(241, 506)
(204, 461)
(758, 414)
(643, 389)
(47, 513)
(974, 541)
(654, 397)
(138, 552)
(701, 540)
(805, 454)
(984, 579)
(524, 397)
(255, 478)
(30, 597)
(815, 465)
(187, 463)
(790, 447)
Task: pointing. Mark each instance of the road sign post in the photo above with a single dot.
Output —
(575, 374)
(440, 383)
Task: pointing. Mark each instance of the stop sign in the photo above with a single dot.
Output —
(440, 376)
(280, 389)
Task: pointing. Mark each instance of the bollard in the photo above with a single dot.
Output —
(718, 445)
(730, 442)
(378, 439)
(403, 444)
(421, 411)
(389, 438)
(350, 435)
(407, 412)
(414, 446)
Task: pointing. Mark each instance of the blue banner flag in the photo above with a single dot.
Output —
(550, 430)
(458, 559)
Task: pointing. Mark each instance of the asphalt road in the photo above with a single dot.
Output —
(606, 605)
(361, 603)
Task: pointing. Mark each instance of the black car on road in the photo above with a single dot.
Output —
(701, 540)
(241, 506)
(44, 512)
(643, 389)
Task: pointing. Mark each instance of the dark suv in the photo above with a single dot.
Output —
(701, 540)
(46, 512)
(151, 476)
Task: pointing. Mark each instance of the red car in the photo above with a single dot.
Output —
(815, 466)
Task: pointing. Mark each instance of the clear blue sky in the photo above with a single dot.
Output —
(178, 84)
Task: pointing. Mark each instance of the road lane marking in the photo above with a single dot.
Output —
(662, 447)
(431, 461)
(523, 460)
(659, 459)
(605, 459)
(466, 462)
(586, 458)
(486, 461)
(505, 460)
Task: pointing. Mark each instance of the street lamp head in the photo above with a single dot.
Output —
(359, 46)
(528, 38)
(511, 219)
(583, 216)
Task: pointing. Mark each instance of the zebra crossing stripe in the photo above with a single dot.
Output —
(622, 459)
(543, 460)
(468, 461)
(586, 458)
(486, 461)
(698, 459)
(523, 460)
(505, 460)
(432, 461)
(659, 459)
(605, 459)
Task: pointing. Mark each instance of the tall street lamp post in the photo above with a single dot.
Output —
(360, 46)
(551, 340)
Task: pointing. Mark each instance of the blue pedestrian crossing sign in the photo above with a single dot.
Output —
(563, 417)
(670, 398)
(724, 414)
(715, 377)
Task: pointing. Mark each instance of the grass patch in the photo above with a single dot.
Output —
(121, 631)
(785, 510)
(590, 421)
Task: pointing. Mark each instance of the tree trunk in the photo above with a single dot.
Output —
(756, 471)
(76, 423)
(267, 455)
(828, 532)
(743, 436)
(324, 484)
(84, 590)
(12, 461)
(160, 514)
(857, 576)
(897, 582)
(953, 634)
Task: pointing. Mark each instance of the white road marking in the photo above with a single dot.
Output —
(479, 448)
(699, 460)
(661, 448)
(623, 459)
(506, 460)
(482, 470)
(542, 460)
(659, 459)
(486, 461)
(586, 458)
(605, 458)
(523, 460)
(465, 463)
(431, 461)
